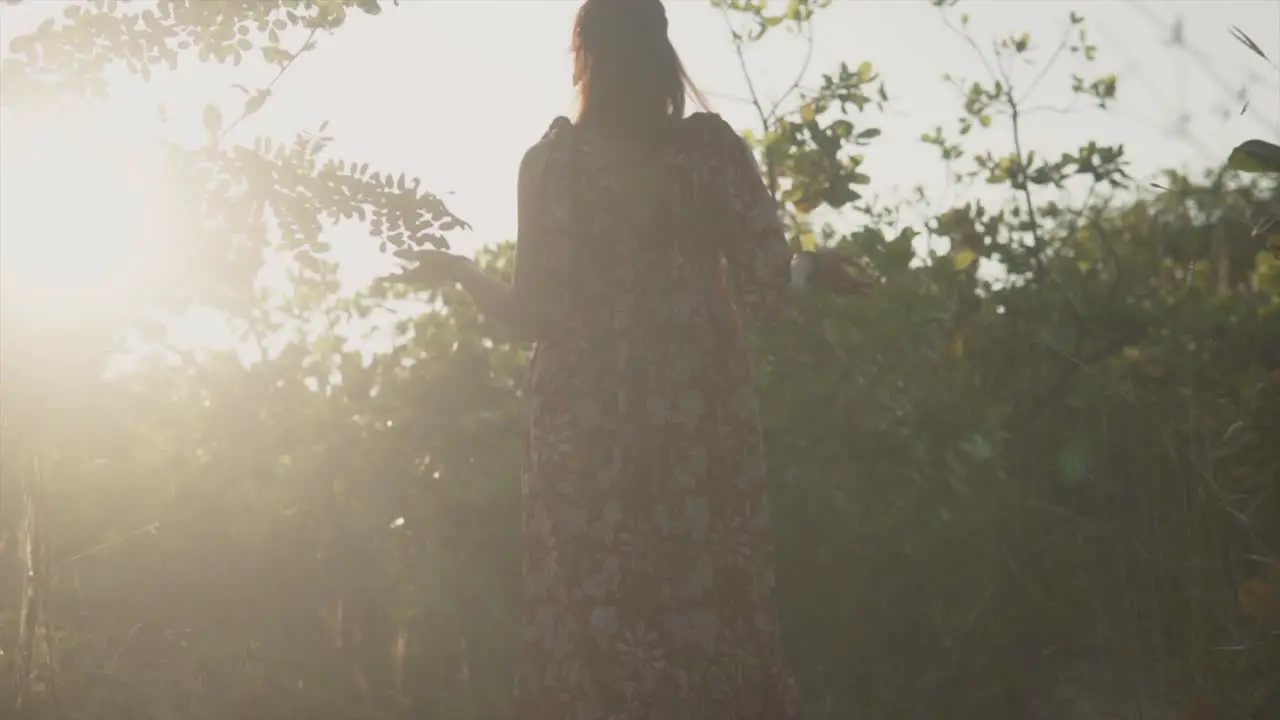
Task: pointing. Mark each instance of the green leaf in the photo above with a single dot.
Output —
(1248, 42)
(212, 119)
(1254, 156)
(869, 133)
(963, 258)
(255, 103)
(276, 55)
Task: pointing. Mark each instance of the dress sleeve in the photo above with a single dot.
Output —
(755, 244)
(541, 261)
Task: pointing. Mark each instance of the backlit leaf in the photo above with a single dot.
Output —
(963, 258)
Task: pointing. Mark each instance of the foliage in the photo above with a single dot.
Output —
(1254, 155)
(1040, 446)
(1258, 156)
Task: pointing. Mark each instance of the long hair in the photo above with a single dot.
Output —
(630, 79)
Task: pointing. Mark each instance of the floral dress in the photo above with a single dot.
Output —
(649, 564)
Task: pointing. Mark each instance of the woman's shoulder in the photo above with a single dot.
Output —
(708, 122)
(552, 143)
(714, 134)
(560, 128)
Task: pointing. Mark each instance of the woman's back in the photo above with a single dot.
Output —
(648, 562)
(636, 234)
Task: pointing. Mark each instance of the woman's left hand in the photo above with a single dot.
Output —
(430, 269)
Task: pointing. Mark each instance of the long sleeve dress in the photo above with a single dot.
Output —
(649, 563)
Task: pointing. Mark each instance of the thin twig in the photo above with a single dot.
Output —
(972, 44)
(1048, 64)
(807, 29)
(770, 169)
(1015, 122)
(266, 92)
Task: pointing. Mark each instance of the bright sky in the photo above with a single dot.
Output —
(454, 90)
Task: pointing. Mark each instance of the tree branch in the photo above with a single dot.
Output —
(259, 98)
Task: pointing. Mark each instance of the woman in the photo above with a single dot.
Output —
(649, 568)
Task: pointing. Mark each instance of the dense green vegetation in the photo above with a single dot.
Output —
(1039, 461)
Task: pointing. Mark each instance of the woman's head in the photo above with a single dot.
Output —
(627, 72)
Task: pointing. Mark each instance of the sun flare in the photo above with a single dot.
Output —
(81, 211)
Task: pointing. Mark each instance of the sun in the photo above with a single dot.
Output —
(81, 216)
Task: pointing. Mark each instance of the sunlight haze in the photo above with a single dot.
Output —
(454, 92)
(982, 424)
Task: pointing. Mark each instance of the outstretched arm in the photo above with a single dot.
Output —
(494, 297)
(527, 306)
